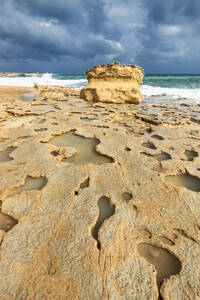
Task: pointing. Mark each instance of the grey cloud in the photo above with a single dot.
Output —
(85, 13)
(172, 11)
(41, 37)
(159, 35)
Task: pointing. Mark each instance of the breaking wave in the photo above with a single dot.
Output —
(154, 86)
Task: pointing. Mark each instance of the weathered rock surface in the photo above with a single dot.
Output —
(58, 92)
(124, 227)
(114, 83)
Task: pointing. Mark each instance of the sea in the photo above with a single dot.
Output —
(155, 88)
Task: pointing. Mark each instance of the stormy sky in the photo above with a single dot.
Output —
(70, 36)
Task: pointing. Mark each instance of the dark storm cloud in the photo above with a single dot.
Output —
(32, 29)
(172, 43)
(77, 12)
(173, 11)
(56, 36)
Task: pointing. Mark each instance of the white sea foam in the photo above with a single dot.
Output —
(147, 90)
(174, 93)
(45, 79)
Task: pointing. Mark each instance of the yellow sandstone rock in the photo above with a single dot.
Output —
(114, 83)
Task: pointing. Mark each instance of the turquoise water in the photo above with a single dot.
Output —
(172, 87)
(165, 81)
(68, 77)
(173, 81)
(167, 87)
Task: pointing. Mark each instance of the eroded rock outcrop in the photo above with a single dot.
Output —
(114, 83)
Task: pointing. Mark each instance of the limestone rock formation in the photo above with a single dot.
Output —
(114, 83)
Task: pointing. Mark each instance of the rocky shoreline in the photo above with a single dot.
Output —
(12, 74)
(98, 200)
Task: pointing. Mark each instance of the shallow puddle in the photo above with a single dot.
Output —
(43, 106)
(4, 155)
(185, 180)
(20, 121)
(164, 262)
(158, 137)
(28, 96)
(83, 185)
(86, 149)
(127, 196)
(106, 210)
(6, 222)
(190, 155)
(149, 145)
(162, 156)
(31, 183)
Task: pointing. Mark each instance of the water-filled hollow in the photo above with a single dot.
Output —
(162, 156)
(4, 155)
(159, 157)
(158, 137)
(86, 149)
(185, 180)
(190, 155)
(31, 183)
(28, 96)
(165, 263)
(6, 222)
(149, 145)
(106, 210)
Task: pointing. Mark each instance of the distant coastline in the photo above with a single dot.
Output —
(12, 74)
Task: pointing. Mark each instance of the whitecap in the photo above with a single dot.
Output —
(45, 79)
(174, 93)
